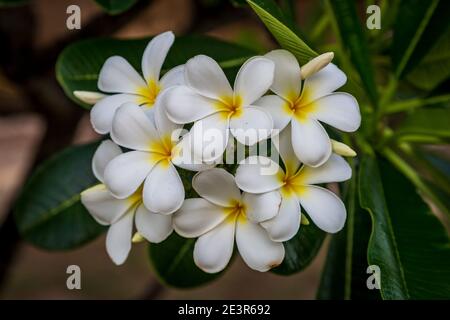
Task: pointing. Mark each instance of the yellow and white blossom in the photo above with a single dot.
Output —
(120, 79)
(297, 187)
(154, 151)
(305, 107)
(224, 214)
(208, 100)
(119, 214)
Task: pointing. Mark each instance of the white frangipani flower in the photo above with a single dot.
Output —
(208, 100)
(305, 107)
(155, 150)
(118, 77)
(296, 186)
(222, 215)
(119, 214)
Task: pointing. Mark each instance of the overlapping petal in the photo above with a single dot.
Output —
(106, 151)
(154, 55)
(257, 174)
(118, 76)
(255, 247)
(217, 186)
(287, 80)
(261, 207)
(252, 126)
(152, 226)
(118, 238)
(213, 250)
(254, 79)
(163, 189)
(197, 216)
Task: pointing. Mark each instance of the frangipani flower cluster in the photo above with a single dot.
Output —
(256, 209)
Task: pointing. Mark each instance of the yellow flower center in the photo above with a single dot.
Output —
(136, 197)
(300, 106)
(236, 211)
(292, 184)
(147, 95)
(230, 106)
(163, 149)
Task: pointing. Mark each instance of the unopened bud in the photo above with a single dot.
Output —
(304, 220)
(137, 238)
(342, 149)
(316, 64)
(89, 97)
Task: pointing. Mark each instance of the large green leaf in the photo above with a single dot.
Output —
(418, 27)
(49, 213)
(79, 64)
(353, 37)
(345, 272)
(114, 7)
(435, 66)
(301, 249)
(272, 17)
(408, 242)
(425, 124)
(173, 262)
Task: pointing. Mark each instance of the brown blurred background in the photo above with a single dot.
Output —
(36, 120)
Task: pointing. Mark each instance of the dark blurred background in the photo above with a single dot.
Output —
(36, 120)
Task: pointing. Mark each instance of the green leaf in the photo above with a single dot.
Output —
(301, 249)
(354, 39)
(79, 64)
(435, 66)
(114, 7)
(173, 263)
(272, 17)
(418, 27)
(49, 213)
(432, 122)
(408, 242)
(345, 272)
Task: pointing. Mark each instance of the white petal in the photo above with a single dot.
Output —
(132, 128)
(196, 217)
(255, 247)
(106, 151)
(310, 142)
(205, 76)
(210, 137)
(118, 76)
(118, 238)
(278, 109)
(184, 105)
(339, 110)
(163, 189)
(102, 205)
(152, 226)
(217, 186)
(261, 207)
(154, 55)
(324, 207)
(251, 126)
(213, 250)
(183, 156)
(173, 77)
(254, 79)
(287, 80)
(257, 174)
(286, 223)
(126, 172)
(163, 124)
(324, 82)
(336, 169)
(286, 150)
(102, 113)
